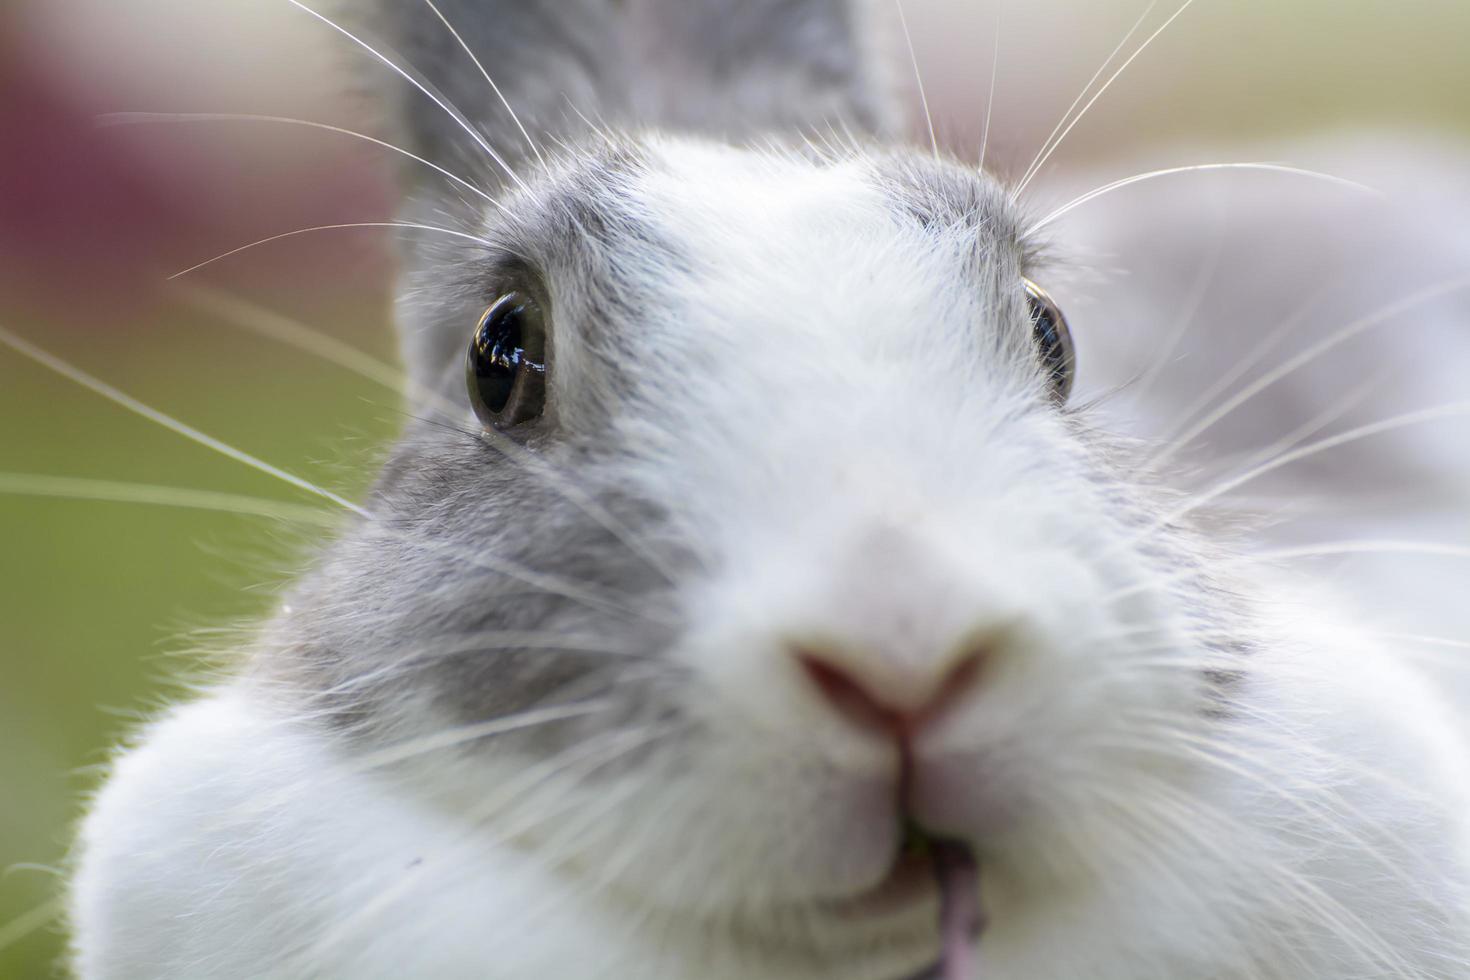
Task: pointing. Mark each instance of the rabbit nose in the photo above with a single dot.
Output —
(891, 699)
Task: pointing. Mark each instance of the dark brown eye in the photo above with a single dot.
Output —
(1053, 340)
(505, 369)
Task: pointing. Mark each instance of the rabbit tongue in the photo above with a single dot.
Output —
(960, 918)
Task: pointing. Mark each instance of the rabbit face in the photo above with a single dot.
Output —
(794, 547)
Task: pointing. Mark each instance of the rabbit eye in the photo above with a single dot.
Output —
(1053, 340)
(505, 369)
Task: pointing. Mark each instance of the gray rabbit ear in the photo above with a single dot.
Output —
(727, 68)
(738, 68)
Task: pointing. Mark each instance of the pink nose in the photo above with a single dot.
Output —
(898, 704)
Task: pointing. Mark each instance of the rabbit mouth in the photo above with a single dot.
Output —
(925, 867)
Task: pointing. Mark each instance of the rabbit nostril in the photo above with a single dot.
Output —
(851, 699)
(904, 704)
(960, 678)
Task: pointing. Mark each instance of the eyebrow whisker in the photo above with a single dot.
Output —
(1046, 155)
(413, 226)
(166, 118)
(1268, 166)
(453, 113)
(486, 75)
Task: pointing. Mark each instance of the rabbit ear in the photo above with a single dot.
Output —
(739, 68)
(487, 86)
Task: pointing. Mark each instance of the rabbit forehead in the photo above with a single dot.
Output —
(791, 284)
(772, 269)
(889, 219)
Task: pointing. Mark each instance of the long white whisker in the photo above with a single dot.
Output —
(493, 87)
(1036, 168)
(1086, 88)
(30, 922)
(464, 734)
(489, 641)
(96, 385)
(1166, 738)
(114, 491)
(448, 110)
(1270, 342)
(1366, 547)
(1318, 550)
(1383, 315)
(1330, 912)
(304, 338)
(918, 77)
(990, 93)
(1321, 420)
(548, 583)
(164, 118)
(1433, 641)
(1094, 194)
(1185, 318)
(336, 227)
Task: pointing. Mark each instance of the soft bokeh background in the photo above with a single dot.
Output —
(103, 605)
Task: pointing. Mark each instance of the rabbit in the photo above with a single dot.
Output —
(749, 598)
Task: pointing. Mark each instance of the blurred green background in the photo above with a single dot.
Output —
(104, 606)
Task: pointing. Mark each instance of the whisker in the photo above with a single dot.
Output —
(1311, 449)
(1268, 343)
(1433, 641)
(549, 583)
(28, 923)
(990, 93)
(1278, 731)
(486, 75)
(1370, 546)
(1095, 193)
(1318, 550)
(1355, 396)
(453, 113)
(1046, 155)
(918, 77)
(489, 641)
(1188, 813)
(1086, 88)
(599, 127)
(1185, 318)
(166, 118)
(1325, 810)
(464, 734)
(351, 224)
(1444, 287)
(1327, 910)
(114, 491)
(294, 333)
(130, 403)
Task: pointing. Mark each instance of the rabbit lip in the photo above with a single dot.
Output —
(910, 880)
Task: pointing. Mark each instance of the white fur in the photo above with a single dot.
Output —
(889, 493)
